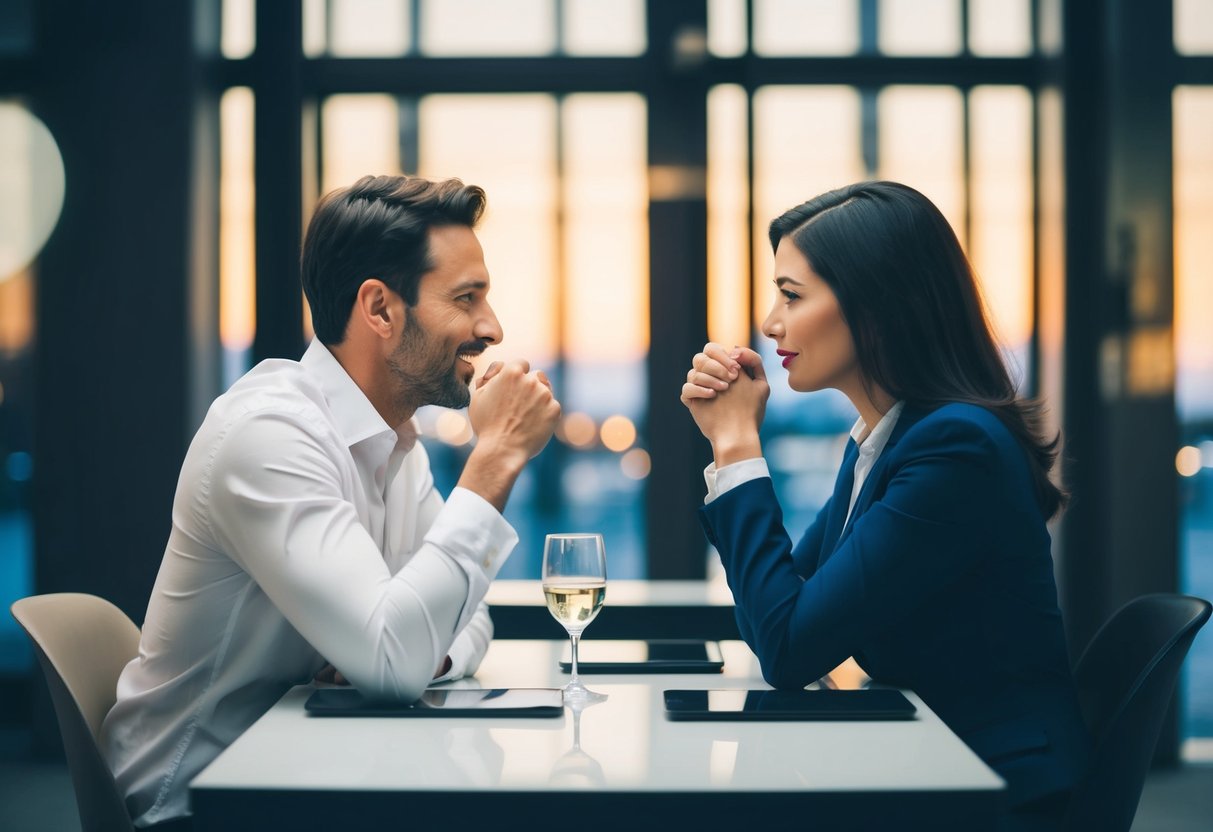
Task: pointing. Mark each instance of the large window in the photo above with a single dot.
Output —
(1193, 183)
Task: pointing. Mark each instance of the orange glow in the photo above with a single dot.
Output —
(1193, 183)
(16, 312)
(618, 433)
(806, 142)
(727, 246)
(577, 429)
(636, 464)
(606, 255)
(237, 291)
(1001, 184)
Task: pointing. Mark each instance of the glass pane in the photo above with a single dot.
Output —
(237, 290)
(921, 145)
(360, 135)
(315, 27)
(1193, 27)
(238, 31)
(605, 318)
(1193, 183)
(919, 27)
(488, 27)
(1001, 185)
(367, 28)
(728, 216)
(1000, 27)
(604, 27)
(726, 27)
(806, 27)
(806, 141)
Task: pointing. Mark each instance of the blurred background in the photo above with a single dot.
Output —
(159, 160)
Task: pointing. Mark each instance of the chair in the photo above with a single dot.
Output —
(1125, 678)
(82, 643)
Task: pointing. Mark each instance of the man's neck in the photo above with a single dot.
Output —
(374, 381)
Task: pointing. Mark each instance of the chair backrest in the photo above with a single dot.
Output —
(82, 643)
(1125, 679)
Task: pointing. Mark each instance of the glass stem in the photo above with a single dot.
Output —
(575, 681)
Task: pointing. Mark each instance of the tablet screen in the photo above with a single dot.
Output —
(871, 703)
(441, 702)
(653, 656)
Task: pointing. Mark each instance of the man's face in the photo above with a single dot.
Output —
(451, 323)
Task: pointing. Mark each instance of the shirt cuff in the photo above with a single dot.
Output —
(461, 656)
(474, 533)
(721, 480)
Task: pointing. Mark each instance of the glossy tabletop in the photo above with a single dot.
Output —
(617, 756)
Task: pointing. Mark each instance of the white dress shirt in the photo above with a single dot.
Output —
(305, 529)
(719, 481)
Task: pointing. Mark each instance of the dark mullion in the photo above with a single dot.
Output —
(17, 76)
(1196, 70)
(421, 75)
(277, 175)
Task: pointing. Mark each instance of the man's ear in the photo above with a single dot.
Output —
(378, 308)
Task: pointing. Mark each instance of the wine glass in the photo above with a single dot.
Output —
(574, 584)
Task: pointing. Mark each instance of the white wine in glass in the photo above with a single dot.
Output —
(574, 585)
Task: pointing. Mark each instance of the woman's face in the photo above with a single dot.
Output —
(807, 326)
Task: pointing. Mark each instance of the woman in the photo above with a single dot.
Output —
(931, 564)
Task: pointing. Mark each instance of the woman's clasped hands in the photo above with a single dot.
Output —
(726, 391)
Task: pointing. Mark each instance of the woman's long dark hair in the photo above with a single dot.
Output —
(907, 292)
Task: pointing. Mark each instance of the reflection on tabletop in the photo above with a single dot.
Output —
(575, 767)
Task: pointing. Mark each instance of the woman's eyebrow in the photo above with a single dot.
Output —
(779, 281)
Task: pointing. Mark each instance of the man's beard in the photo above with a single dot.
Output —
(428, 374)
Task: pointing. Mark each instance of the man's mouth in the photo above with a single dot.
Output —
(788, 355)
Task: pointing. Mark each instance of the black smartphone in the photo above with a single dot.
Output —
(786, 705)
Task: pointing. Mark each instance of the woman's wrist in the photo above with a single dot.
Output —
(728, 450)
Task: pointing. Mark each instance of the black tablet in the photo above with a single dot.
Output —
(655, 656)
(494, 702)
(786, 705)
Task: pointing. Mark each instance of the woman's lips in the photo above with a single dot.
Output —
(788, 355)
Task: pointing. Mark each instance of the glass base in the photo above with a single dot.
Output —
(576, 693)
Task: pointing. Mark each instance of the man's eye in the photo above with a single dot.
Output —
(465, 298)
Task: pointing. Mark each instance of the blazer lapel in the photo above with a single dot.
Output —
(839, 502)
(908, 418)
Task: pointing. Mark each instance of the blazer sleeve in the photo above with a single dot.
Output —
(924, 533)
(804, 555)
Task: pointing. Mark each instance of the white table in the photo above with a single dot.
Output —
(634, 769)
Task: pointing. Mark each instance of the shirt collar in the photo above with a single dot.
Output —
(356, 418)
(879, 437)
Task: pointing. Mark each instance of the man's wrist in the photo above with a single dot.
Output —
(491, 470)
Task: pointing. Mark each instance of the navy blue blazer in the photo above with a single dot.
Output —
(941, 582)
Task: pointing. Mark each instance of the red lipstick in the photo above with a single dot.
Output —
(788, 355)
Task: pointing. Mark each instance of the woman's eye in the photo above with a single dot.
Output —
(789, 295)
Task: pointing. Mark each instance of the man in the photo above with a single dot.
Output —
(306, 527)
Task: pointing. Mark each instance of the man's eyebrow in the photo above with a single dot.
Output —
(469, 284)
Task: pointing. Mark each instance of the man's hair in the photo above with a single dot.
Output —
(377, 228)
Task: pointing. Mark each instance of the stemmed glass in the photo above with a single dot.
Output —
(574, 584)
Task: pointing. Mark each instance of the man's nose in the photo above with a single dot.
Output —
(488, 328)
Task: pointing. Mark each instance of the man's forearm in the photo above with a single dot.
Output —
(491, 472)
